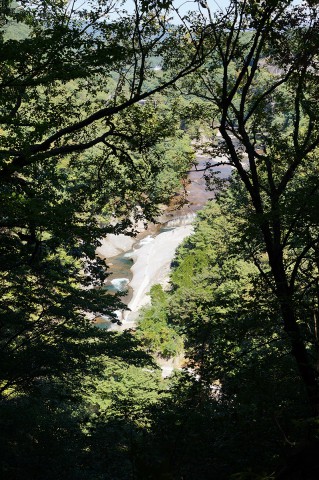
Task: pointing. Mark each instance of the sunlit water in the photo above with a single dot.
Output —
(119, 267)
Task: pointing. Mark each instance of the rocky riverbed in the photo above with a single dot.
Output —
(138, 263)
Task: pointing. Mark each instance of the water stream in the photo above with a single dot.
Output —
(159, 247)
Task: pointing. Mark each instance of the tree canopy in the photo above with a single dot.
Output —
(262, 79)
(85, 151)
(92, 138)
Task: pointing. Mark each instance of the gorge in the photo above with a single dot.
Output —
(137, 264)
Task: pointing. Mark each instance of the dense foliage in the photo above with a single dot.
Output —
(236, 349)
(83, 152)
(154, 331)
(94, 138)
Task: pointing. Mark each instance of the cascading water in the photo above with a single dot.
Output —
(149, 261)
(120, 284)
(179, 221)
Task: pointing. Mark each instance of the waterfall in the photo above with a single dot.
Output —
(150, 259)
(180, 221)
(120, 284)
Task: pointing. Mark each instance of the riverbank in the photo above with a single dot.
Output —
(145, 260)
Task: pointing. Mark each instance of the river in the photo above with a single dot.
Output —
(146, 260)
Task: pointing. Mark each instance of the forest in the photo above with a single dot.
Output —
(104, 104)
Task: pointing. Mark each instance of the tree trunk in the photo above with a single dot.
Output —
(298, 350)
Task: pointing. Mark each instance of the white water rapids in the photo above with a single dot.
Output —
(139, 264)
